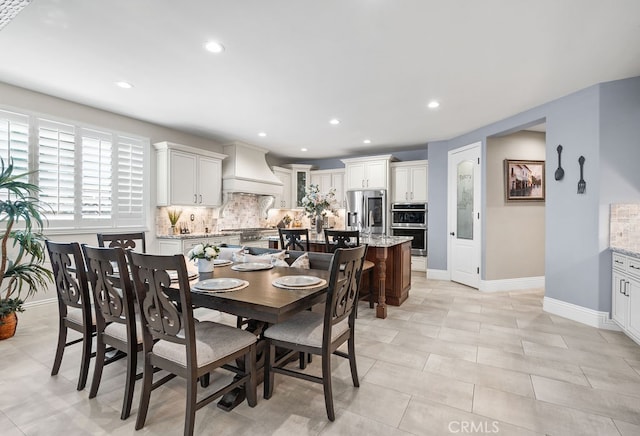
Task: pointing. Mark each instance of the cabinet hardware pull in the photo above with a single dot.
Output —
(200, 198)
(195, 198)
(634, 267)
(626, 294)
(621, 286)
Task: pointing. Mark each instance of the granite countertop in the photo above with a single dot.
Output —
(196, 235)
(373, 241)
(625, 252)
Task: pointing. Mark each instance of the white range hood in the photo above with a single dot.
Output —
(245, 170)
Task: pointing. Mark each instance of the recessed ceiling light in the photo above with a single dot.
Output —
(214, 47)
(334, 121)
(367, 141)
(124, 85)
(433, 104)
(303, 149)
(262, 134)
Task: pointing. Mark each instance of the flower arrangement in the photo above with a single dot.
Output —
(315, 203)
(203, 251)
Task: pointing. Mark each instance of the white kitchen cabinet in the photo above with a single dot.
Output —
(409, 182)
(625, 294)
(300, 178)
(183, 245)
(283, 201)
(367, 172)
(187, 176)
(327, 179)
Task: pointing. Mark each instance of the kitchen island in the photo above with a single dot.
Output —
(392, 273)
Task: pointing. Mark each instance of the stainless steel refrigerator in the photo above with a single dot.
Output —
(367, 211)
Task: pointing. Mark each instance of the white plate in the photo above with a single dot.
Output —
(221, 262)
(298, 281)
(251, 266)
(220, 284)
(173, 275)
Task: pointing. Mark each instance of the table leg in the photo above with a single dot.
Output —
(381, 257)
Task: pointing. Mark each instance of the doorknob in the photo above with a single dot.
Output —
(452, 233)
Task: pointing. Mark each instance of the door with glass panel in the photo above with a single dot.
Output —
(464, 215)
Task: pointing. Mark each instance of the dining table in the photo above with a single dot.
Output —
(259, 304)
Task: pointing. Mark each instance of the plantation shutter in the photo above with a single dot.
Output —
(14, 143)
(96, 175)
(130, 180)
(56, 165)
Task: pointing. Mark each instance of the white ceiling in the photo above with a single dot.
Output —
(290, 66)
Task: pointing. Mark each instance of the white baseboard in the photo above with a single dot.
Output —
(40, 302)
(580, 314)
(438, 274)
(511, 284)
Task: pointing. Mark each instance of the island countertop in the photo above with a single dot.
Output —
(378, 241)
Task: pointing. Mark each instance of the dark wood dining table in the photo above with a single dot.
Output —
(261, 300)
(260, 304)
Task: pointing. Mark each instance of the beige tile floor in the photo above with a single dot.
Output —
(450, 360)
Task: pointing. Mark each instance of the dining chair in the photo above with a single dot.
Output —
(116, 323)
(175, 342)
(123, 240)
(74, 304)
(345, 239)
(320, 333)
(294, 239)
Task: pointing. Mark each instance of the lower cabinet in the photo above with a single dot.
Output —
(625, 294)
(176, 246)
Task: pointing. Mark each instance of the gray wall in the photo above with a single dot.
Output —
(515, 230)
(600, 122)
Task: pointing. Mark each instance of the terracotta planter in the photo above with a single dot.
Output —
(8, 325)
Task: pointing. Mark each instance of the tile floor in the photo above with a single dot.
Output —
(450, 360)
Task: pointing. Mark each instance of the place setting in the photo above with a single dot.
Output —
(251, 266)
(298, 282)
(218, 285)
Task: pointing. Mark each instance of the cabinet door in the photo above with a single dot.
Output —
(619, 301)
(633, 314)
(209, 181)
(418, 182)
(400, 184)
(355, 175)
(337, 182)
(376, 174)
(283, 201)
(183, 178)
(169, 246)
(188, 244)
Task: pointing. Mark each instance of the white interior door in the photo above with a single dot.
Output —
(464, 215)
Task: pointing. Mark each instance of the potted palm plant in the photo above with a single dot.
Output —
(22, 271)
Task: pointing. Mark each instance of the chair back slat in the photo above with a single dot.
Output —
(341, 239)
(126, 241)
(112, 288)
(294, 239)
(69, 274)
(166, 310)
(344, 282)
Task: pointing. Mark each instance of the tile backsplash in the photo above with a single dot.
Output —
(625, 227)
(240, 211)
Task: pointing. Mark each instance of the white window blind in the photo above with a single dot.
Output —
(96, 175)
(56, 167)
(130, 180)
(14, 143)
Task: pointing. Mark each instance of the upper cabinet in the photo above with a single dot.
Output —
(188, 176)
(299, 183)
(327, 179)
(367, 172)
(409, 181)
(283, 200)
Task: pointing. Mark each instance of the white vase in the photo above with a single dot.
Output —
(205, 266)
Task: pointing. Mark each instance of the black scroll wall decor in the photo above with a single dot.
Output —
(582, 185)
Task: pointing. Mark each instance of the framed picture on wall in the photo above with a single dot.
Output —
(524, 180)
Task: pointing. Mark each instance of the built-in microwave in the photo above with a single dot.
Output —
(409, 215)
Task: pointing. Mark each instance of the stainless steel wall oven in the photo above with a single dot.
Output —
(411, 219)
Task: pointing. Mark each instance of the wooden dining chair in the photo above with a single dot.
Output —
(294, 239)
(321, 334)
(346, 239)
(74, 304)
(175, 342)
(116, 323)
(135, 241)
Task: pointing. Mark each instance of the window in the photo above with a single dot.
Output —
(90, 178)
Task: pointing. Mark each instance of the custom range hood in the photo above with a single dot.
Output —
(245, 170)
